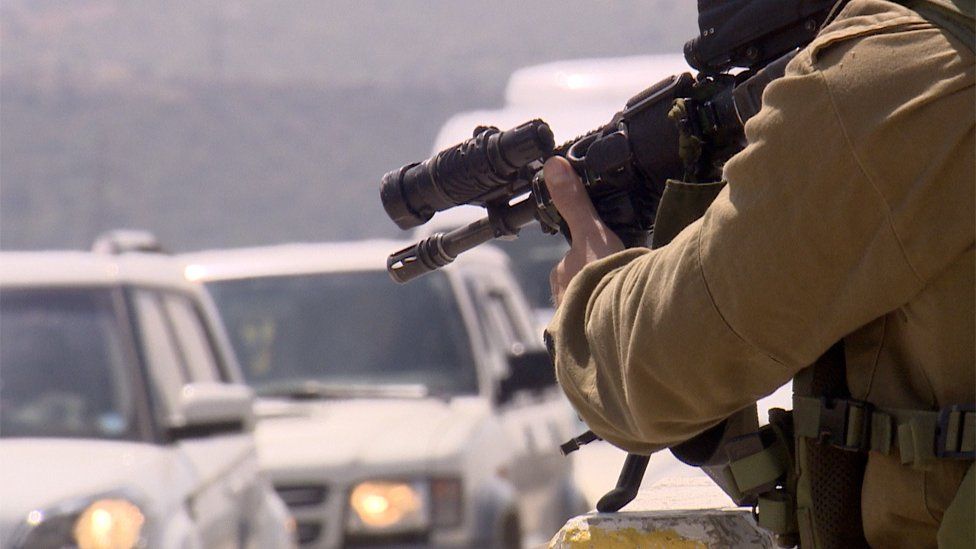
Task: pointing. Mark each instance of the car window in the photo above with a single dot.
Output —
(533, 255)
(491, 322)
(64, 369)
(496, 315)
(490, 339)
(166, 369)
(500, 308)
(348, 328)
(192, 338)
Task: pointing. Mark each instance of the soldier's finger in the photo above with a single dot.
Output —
(556, 287)
(569, 195)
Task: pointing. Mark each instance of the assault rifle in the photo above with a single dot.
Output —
(684, 127)
(743, 45)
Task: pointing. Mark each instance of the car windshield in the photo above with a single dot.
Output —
(63, 372)
(331, 333)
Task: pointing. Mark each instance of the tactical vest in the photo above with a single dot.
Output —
(802, 472)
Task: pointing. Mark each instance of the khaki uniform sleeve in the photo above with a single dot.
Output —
(855, 190)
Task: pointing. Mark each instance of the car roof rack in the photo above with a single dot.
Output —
(121, 241)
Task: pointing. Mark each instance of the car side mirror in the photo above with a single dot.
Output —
(531, 370)
(207, 408)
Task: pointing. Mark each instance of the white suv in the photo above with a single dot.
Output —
(422, 414)
(122, 419)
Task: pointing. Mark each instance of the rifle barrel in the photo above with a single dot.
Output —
(439, 249)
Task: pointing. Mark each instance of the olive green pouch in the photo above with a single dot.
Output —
(958, 528)
(681, 205)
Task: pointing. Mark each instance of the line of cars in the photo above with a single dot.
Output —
(360, 413)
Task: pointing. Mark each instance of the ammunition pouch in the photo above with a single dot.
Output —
(808, 492)
(921, 436)
(803, 471)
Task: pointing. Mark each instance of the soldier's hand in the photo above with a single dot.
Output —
(592, 239)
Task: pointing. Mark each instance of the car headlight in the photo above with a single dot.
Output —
(378, 507)
(389, 507)
(103, 524)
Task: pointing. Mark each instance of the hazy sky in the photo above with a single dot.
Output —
(244, 122)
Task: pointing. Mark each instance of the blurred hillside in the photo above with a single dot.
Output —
(232, 123)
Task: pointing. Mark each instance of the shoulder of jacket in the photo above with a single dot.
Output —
(863, 18)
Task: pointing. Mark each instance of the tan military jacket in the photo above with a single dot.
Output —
(850, 216)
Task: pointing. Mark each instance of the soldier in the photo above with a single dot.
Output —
(848, 217)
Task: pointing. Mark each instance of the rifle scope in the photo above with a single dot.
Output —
(472, 172)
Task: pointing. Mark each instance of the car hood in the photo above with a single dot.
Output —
(366, 433)
(44, 474)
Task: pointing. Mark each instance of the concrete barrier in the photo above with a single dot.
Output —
(684, 529)
(671, 513)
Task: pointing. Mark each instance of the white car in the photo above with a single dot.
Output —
(422, 414)
(122, 419)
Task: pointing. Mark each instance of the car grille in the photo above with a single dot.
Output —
(305, 501)
(308, 532)
(302, 496)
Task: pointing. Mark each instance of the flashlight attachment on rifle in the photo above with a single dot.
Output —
(480, 170)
